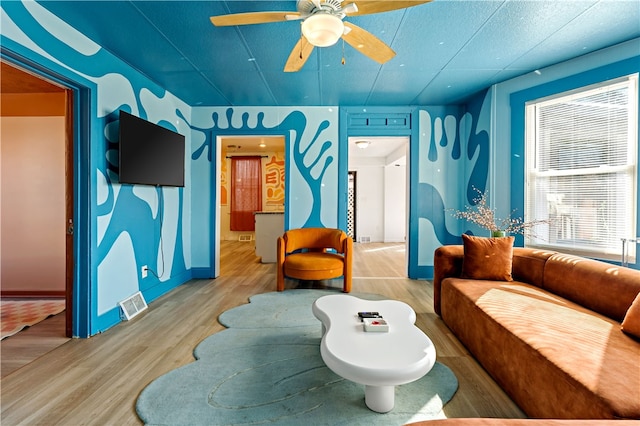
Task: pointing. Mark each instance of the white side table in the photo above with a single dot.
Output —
(378, 360)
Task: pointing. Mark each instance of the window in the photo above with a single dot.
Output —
(246, 192)
(581, 169)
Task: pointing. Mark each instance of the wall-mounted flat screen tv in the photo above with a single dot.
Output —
(149, 153)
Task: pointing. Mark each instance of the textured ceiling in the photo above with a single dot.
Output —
(446, 50)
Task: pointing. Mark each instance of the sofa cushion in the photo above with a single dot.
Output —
(591, 283)
(487, 258)
(314, 265)
(631, 322)
(528, 264)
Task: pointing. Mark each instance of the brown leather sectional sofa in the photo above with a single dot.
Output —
(551, 338)
(523, 422)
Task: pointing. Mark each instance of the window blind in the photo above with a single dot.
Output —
(581, 169)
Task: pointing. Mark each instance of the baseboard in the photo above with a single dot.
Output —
(201, 273)
(33, 294)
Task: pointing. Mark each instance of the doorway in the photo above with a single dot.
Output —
(271, 149)
(377, 190)
(45, 267)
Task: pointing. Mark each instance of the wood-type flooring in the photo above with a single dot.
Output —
(49, 379)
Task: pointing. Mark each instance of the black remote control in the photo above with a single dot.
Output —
(362, 315)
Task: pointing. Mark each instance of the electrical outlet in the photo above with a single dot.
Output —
(144, 271)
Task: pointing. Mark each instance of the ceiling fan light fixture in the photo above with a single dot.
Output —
(362, 144)
(323, 29)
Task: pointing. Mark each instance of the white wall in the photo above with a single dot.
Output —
(33, 199)
(370, 202)
(381, 196)
(395, 191)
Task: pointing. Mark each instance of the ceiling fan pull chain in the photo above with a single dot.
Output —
(344, 61)
(301, 37)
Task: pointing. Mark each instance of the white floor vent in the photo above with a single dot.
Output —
(245, 237)
(133, 305)
(365, 239)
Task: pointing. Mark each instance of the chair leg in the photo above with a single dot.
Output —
(346, 287)
(280, 280)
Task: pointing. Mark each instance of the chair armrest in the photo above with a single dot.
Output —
(447, 262)
(347, 248)
(280, 251)
(280, 255)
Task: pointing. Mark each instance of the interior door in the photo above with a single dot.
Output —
(69, 214)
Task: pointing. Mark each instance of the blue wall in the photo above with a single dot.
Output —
(453, 149)
(507, 170)
(118, 227)
(312, 162)
(452, 158)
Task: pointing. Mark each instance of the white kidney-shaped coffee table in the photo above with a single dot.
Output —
(378, 360)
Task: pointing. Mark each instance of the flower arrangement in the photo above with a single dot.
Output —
(485, 217)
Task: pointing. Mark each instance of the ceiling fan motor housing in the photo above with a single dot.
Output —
(310, 7)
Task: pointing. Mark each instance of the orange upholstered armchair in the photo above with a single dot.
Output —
(307, 254)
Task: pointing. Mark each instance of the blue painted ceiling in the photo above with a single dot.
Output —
(446, 50)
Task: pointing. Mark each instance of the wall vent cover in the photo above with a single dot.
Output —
(133, 305)
(365, 239)
(245, 237)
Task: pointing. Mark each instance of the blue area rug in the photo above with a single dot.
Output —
(266, 369)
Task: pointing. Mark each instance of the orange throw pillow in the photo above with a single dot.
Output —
(487, 258)
(631, 322)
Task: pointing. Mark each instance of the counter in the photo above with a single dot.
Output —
(269, 226)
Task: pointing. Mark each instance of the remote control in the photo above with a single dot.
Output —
(363, 315)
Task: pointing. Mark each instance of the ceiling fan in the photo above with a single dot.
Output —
(323, 25)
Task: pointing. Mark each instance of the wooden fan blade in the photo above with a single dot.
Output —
(299, 55)
(367, 7)
(253, 18)
(368, 44)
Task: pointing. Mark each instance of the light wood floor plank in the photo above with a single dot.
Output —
(97, 380)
